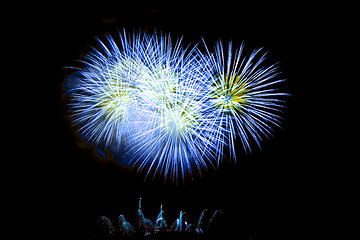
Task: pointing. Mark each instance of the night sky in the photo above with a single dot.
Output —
(265, 195)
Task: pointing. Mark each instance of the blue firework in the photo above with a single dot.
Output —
(169, 109)
(146, 98)
(177, 133)
(243, 95)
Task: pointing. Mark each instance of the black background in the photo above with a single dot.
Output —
(270, 194)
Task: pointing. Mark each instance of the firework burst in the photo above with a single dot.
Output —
(162, 107)
(242, 95)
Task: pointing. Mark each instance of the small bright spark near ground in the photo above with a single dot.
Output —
(172, 110)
